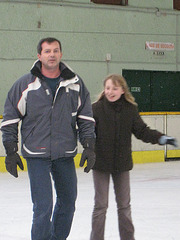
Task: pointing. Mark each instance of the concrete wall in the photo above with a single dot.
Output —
(88, 33)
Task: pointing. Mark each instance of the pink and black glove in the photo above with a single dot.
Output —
(168, 140)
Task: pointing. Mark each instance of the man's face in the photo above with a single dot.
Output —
(50, 56)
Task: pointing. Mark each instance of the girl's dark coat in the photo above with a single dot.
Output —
(115, 124)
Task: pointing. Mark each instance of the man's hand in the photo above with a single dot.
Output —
(11, 162)
(88, 154)
(12, 159)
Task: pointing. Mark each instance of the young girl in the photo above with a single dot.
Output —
(117, 118)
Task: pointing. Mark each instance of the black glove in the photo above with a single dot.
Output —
(11, 162)
(88, 154)
(168, 140)
(12, 159)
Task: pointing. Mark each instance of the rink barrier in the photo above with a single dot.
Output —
(140, 156)
(159, 113)
(3, 168)
(168, 154)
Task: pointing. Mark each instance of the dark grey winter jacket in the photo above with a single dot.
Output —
(49, 126)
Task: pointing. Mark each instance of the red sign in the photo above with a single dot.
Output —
(159, 46)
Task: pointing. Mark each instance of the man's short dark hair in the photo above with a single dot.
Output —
(49, 40)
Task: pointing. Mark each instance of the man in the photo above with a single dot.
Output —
(54, 106)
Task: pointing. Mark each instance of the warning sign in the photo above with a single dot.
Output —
(159, 46)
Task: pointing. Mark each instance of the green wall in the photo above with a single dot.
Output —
(88, 32)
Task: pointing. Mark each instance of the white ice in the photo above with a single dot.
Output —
(155, 202)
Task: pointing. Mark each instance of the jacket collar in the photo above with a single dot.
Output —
(117, 105)
(66, 72)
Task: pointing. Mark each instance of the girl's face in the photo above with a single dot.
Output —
(112, 92)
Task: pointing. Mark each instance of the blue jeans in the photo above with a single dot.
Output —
(65, 182)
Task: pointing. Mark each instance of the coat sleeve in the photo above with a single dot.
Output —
(143, 132)
(95, 116)
(85, 120)
(11, 115)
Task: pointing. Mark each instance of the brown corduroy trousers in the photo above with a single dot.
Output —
(121, 182)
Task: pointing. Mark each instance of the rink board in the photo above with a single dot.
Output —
(138, 157)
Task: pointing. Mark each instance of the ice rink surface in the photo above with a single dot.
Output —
(155, 202)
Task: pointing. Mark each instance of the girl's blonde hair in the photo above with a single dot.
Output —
(119, 80)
